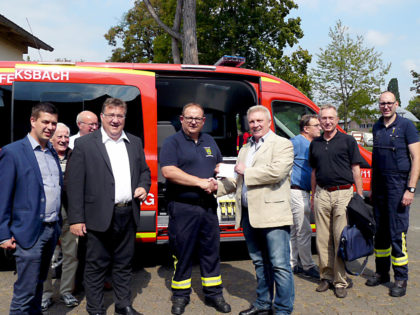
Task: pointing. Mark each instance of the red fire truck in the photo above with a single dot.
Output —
(155, 94)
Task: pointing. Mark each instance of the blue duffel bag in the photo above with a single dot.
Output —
(354, 245)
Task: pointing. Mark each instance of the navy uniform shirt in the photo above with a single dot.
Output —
(390, 145)
(333, 159)
(198, 159)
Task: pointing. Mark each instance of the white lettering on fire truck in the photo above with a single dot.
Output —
(7, 78)
(29, 74)
(150, 200)
(365, 173)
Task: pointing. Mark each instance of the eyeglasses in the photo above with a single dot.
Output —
(91, 124)
(190, 119)
(113, 116)
(316, 125)
(388, 104)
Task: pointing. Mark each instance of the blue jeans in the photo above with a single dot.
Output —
(269, 250)
(32, 266)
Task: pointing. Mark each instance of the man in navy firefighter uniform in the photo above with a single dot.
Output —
(188, 160)
(396, 168)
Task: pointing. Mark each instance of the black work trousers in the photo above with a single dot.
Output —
(195, 227)
(392, 220)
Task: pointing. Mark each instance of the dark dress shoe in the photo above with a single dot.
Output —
(253, 310)
(218, 303)
(128, 310)
(178, 305)
(399, 288)
(323, 286)
(377, 280)
(340, 292)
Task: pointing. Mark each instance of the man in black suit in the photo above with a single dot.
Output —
(107, 179)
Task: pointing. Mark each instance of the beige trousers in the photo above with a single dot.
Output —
(330, 219)
(69, 244)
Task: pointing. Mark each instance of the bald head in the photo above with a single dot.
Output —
(388, 106)
(87, 122)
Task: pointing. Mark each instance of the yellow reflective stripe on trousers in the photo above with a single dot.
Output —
(211, 282)
(184, 284)
(401, 261)
(382, 252)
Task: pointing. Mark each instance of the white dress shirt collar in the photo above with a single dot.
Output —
(106, 138)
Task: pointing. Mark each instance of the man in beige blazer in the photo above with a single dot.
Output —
(262, 189)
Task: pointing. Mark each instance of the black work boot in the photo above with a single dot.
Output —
(178, 305)
(399, 288)
(218, 303)
(377, 280)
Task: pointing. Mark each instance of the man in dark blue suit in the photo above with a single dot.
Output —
(31, 180)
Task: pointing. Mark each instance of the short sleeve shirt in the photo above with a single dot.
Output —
(333, 159)
(301, 171)
(390, 145)
(198, 159)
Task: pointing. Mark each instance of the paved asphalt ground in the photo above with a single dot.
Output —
(153, 271)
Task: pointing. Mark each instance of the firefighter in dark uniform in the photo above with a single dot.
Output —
(396, 168)
(188, 160)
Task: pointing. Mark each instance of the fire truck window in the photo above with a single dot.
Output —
(222, 100)
(287, 116)
(5, 114)
(70, 99)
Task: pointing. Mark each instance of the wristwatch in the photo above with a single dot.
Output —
(411, 189)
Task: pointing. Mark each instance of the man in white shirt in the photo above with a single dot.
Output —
(107, 179)
(87, 122)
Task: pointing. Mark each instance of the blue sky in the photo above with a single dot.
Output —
(75, 28)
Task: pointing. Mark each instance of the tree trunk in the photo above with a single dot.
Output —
(177, 24)
(189, 41)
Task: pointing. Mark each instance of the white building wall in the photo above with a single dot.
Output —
(10, 52)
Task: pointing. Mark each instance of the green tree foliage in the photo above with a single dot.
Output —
(138, 38)
(416, 82)
(349, 75)
(414, 108)
(257, 30)
(393, 87)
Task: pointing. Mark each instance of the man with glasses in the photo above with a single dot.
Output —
(87, 122)
(301, 232)
(188, 160)
(107, 178)
(335, 160)
(395, 172)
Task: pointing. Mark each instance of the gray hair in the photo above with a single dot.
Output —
(258, 108)
(60, 124)
(327, 106)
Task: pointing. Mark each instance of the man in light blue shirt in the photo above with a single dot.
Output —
(31, 180)
(301, 232)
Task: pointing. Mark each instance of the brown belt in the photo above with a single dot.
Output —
(334, 188)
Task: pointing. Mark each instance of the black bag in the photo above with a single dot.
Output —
(360, 214)
(354, 245)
